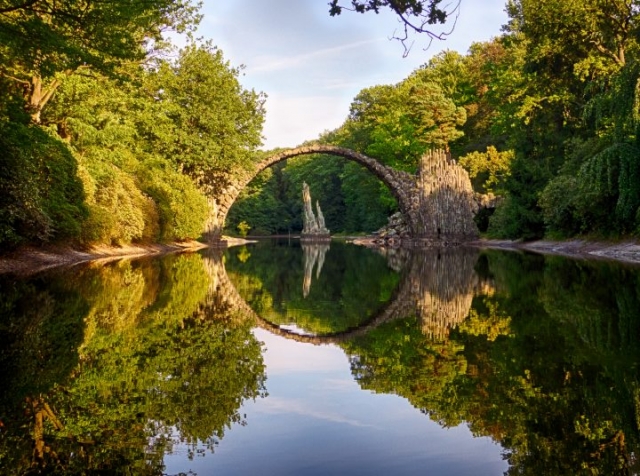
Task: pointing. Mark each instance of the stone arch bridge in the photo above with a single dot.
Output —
(437, 202)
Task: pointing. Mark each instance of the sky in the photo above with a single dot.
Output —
(311, 65)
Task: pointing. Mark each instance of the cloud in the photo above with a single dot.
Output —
(284, 356)
(277, 405)
(293, 120)
(270, 64)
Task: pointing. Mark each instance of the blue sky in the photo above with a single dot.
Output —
(311, 65)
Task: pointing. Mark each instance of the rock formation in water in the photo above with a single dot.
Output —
(314, 227)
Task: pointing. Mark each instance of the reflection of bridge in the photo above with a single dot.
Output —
(437, 286)
(437, 202)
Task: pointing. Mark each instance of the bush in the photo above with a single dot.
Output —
(558, 202)
(116, 206)
(41, 196)
(610, 188)
(511, 220)
(182, 209)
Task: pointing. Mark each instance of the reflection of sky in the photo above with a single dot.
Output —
(317, 421)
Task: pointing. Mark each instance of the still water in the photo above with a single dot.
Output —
(282, 359)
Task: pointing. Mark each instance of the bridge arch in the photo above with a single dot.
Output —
(401, 184)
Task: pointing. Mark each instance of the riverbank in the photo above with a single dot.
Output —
(624, 251)
(31, 260)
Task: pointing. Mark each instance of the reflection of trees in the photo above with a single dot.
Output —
(354, 284)
(156, 365)
(546, 364)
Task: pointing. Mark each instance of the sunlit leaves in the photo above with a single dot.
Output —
(210, 125)
(488, 170)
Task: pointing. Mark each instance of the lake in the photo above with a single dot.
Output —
(282, 358)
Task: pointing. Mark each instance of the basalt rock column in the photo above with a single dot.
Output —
(445, 201)
(314, 227)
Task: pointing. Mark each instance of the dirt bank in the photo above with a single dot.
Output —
(627, 251)
(31, 260)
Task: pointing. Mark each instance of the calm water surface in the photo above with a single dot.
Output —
(278, 359)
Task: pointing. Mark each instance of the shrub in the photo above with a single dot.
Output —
(41, 196)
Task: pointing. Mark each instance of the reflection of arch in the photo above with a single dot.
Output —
(400, 183)
(437, 286)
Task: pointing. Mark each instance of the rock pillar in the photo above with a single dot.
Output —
(314, 227)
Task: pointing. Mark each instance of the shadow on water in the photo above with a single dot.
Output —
(105, 368)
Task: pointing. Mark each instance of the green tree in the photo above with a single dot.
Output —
(43, 42)
(488, 170)
(206, 122)
(41, 196)
(398, 124)
(132, 194)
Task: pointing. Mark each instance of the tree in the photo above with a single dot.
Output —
(205, 123)
(132, 194)
(41, 41)
(567, 108)
(398, 124)
(488, 170)
(416, 15)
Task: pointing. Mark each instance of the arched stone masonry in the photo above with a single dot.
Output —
(437, 202)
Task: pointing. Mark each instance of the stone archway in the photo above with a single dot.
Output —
(437, 202)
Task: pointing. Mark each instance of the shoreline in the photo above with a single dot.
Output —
(31, 260)
(627, 251)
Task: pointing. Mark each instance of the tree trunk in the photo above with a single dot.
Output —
(39, 96)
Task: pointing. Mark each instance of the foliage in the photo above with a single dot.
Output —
(612, 179)
(416, 15)
(398, 124)
(488, 170)
(204, 121)
(182, 208)
(51, 37)
(127, 131)
(135, 178)
(42, 42)
(243, 228)
(41, 195)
